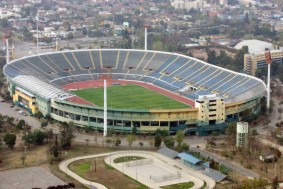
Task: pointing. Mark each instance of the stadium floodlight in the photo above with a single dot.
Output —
(268, 61)
(7, 50)
(145, 36)
(36, 34)
(105, 109)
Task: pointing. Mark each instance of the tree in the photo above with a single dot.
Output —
(108, 141)
(212, 164)
(211, 56)
(28, 139)
(134, 130)
(67, 136)
(162, 133)
(239, 58)
(278, 91)
(4, 23)
(280, 112)
(118, 142)
(275, 183)
(23, 158)
(185, 147)
(44, 124)
(169, 142)
(55, 148)
(141, 144)
(179, 137)
(87, 141)
(21, 124)
(157, 141)
(10, 140)
(254, 183)
(70, 35)
(131, 139)
(231, 132)
(39, 137)
(280, 71)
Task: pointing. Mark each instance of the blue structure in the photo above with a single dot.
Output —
(190, 160)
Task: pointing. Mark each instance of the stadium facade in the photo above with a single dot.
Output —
(219, 95)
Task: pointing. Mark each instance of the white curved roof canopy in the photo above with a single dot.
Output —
(255, 46)
(41, 88)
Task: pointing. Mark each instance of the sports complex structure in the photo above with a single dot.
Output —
(146, 89)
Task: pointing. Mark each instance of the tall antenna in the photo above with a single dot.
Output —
(105, 109)
(145, 36)
(268, 60)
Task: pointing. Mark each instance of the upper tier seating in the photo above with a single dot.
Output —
(167, 70)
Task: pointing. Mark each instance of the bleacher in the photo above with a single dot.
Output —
(168, 152)
(166, 70)
(216, 175)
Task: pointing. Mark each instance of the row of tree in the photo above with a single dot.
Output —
(235, 63)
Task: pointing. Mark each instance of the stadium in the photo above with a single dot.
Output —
(146, 89)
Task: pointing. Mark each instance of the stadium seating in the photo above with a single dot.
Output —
(168, 152)
(217, 176)
(169, 71)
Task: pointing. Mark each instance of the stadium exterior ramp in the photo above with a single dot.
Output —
(220, 95)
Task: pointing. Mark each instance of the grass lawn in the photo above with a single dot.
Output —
(129, 96)
(179, 186)
(104, 174)
(127, 158)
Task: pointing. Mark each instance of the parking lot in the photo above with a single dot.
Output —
(18, 113)
(27, 178)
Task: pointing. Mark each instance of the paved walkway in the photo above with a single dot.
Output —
(194, 175)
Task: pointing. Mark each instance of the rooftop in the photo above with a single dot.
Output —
(255, 46)
(43, 89)
(189, 158)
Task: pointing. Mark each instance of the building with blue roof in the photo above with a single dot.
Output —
(190, 160)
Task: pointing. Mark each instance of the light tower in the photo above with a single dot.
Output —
(268, 60)
(37, 35)
(105, 109)
(7, 51)
(145, 36)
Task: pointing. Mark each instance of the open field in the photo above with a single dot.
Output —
(129, 96)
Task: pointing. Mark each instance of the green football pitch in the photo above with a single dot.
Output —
(129, 96)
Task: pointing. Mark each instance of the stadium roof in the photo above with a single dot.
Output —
(255, 46)
(189, 158)
(37, 86)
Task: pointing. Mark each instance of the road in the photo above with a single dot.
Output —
(82, 137)
(227, 163)
(193, 141)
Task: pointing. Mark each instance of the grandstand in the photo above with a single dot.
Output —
(182, 75)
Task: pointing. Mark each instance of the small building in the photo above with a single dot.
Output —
(190, 160)
(268, 159)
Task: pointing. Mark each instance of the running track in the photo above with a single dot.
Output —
(99, 83)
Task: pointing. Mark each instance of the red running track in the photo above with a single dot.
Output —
(110, 82)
